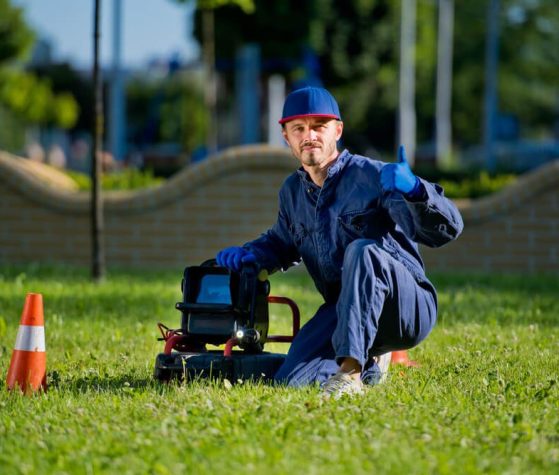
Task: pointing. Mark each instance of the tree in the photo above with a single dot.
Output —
(28, 97)
(281, 34)
(357, 46)
(357, 42)
(527, 68)
(32, 99)
(63, 78)
(167, 109)
(207, 8)
(16, 38)
(529, 62)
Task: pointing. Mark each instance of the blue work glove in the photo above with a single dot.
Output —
(399, 177)
(234, 257)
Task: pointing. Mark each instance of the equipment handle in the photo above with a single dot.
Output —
(204, 307)
(209, 263)
(296, 319)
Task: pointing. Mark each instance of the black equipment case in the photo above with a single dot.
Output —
(221, 307)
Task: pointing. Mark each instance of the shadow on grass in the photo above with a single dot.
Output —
(121, 384)
(130, 384)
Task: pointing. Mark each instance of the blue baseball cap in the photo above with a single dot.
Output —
(310, 101)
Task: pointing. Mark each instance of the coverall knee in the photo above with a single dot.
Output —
(381, 308)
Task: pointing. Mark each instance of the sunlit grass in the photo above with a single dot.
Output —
(484, 399)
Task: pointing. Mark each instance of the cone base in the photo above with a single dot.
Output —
(401, 357)
(28, 371)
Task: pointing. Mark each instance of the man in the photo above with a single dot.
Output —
(355, 222)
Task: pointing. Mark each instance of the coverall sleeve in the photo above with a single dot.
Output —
(274, 249)
(433, 220)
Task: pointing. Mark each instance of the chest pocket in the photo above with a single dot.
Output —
(298, 234)
(367, 223)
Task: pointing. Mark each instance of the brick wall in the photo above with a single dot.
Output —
(232, 198)
(516, 229)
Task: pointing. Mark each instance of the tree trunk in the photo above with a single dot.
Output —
(97, 225)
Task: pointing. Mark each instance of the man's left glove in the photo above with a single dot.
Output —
(399, 177)
(234, 257)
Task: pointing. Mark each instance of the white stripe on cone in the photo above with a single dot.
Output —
(30, 338)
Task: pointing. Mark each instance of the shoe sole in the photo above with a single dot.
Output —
(383, 362)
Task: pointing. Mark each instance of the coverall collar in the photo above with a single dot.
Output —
(335, 168)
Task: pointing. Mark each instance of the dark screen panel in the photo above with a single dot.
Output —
(214, 288)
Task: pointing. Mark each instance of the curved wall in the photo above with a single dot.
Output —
(231, 198)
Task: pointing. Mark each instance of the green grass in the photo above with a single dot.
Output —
(484, 400)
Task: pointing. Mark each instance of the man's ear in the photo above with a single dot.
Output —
(339, 129)
(284, 133)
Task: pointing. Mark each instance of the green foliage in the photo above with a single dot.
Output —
(64, 80)
(358, 46)
(184, 117)
(65, 110)
(26, 96)
(29, 98)
(32, 99)
(280, 28)
(247, 6)
(15, 36)
(12, 131)
(529, 62)
(170, 110)
(82, 180)
(126, 179)
(484, 399)
(476, 186)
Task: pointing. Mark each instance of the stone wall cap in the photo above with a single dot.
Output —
(45, 185)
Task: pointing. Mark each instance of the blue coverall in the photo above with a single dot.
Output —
(359, 245)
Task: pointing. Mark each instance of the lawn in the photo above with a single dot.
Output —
(484, 400)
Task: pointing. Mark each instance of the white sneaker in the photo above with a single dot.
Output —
(341, 383)
(383, 362)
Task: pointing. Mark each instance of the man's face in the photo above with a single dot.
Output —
(313, 139)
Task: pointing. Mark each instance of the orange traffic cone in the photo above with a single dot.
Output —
(401, 357)
(28, 367)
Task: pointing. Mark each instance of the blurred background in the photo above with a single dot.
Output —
(471, 88)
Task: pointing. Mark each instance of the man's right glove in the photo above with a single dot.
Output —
(234, 257)
(399, 177)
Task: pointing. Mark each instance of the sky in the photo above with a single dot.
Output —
(150, 29)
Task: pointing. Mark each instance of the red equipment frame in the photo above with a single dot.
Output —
(174, 339)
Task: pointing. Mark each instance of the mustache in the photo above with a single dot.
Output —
(310, 144)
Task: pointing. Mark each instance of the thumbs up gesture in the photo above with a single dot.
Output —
(398, 176)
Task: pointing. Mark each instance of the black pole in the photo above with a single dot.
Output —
(97, 225)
